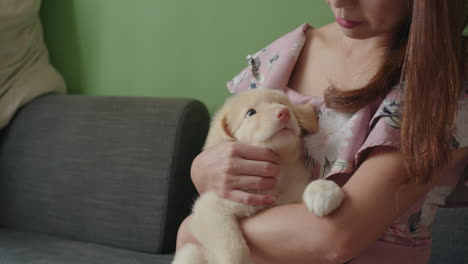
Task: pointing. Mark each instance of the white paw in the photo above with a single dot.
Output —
(189, 254)
(322, 197)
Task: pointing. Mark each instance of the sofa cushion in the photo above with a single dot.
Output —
(109, 170)
(450, 236)
(25, 247)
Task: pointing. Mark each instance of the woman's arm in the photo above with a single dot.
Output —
(374, 200)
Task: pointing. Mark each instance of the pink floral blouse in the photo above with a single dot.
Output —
(343, 140)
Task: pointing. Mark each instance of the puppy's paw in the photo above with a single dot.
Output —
(322, 197)
(189, 254)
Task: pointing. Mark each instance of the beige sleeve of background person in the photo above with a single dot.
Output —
(25, 71)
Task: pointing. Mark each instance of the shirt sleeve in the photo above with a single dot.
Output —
(245, 80)
(384, 126)
(268, 68)
(271, 67)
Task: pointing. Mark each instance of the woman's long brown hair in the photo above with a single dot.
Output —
(428, 56)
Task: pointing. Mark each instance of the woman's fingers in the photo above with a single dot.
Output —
(249, 198)
(251, 183)
(184, 235)
(241, 166)
(233, 169)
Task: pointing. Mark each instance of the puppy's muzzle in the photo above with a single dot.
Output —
(283, 115)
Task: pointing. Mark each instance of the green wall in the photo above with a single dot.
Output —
(170, 48)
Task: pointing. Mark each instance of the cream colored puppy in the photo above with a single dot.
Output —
(262, 118)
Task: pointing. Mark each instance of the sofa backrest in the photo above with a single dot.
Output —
(109, 170)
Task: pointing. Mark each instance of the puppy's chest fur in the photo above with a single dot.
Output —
(292, 181)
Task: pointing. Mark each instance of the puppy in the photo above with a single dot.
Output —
(264, 118)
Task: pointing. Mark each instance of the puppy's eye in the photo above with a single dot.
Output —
(251, 112)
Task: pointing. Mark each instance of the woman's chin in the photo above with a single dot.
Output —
(358, 32)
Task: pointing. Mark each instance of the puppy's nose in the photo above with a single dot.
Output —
(283, 114)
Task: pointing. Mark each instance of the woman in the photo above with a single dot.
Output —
(395, 166)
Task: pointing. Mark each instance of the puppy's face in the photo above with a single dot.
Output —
(261, 117)
(263, 122)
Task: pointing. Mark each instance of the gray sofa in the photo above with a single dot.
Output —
(88, 179)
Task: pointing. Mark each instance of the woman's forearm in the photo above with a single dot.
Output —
(291, 234)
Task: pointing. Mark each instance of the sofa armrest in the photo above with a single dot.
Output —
(108, 170)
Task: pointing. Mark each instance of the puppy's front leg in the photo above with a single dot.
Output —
(322, 196)
(215, 225)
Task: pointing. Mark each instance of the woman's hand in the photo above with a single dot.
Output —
(236, 172)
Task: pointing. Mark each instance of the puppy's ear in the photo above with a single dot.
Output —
(220, 130)
(306, 116)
